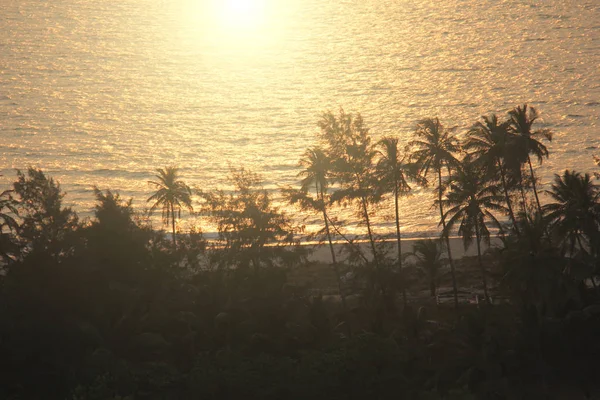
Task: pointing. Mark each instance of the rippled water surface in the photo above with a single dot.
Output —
(104, 92)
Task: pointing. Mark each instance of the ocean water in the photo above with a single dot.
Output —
(104, 92)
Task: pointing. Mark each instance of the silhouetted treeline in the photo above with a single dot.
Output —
(111, 308)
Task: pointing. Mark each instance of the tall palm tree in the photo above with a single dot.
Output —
(527, 143)
(574, 216)
(171, 194)
(428, 253)
(393, 173)
(317, 166)
(315, 175)
(471, 201)
(433, 150)
(489, 143)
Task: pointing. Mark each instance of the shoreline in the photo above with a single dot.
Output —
(322, 252)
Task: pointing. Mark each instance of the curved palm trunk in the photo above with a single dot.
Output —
(522, 190)
(481, 268)
(507, 198)
(173, 225)
(379, 279)
(445, 234)
(398, 239)
(369, 231)
(333, 258)
(348, 241)
(537, 199)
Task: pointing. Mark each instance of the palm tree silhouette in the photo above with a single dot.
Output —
(317, 166)
(315, 175)
(171, 194)
(527, 143)
(574, 216)
(433, 149)
(428, 253)
(489, 142)
(393, 173)
(471, 201)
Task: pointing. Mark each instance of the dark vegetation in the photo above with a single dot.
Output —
(108, 308)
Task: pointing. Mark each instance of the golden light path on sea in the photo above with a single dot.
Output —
(236, 24)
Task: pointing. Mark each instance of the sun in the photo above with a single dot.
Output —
(243, 6)
(232, 25)
(241, 14)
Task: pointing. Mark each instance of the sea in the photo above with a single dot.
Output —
(102, 93)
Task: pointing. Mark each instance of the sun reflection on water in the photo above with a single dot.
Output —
(241, 14)
(233, 24)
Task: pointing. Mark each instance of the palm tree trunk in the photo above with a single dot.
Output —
(523, 197)
(333, 258)
(328, 233)
(370, 233)
(445, 234)
(507, 198)
(173, 225)
(378, 279)
(483, 278)
(537, 199)
(353, 245)
(398, 238)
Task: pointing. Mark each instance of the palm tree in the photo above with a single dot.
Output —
(527, 143)
(433, 149)
(393, 173)
(471, 201)
(489, 142)
(171, 194)
(428, 253)
(317, 166)
(574, 216)
(315, 175)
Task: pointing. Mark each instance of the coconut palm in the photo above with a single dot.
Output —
(172, 194)
(471, 200)
(315, 176)
(317, 166)
(527, 143)
(393, 173)
(428, 253)
(433, 150)
(573, 216)
(488, 142)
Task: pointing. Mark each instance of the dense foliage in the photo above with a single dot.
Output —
(109, 308)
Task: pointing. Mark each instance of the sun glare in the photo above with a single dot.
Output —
(241, 14)
(234, 24)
